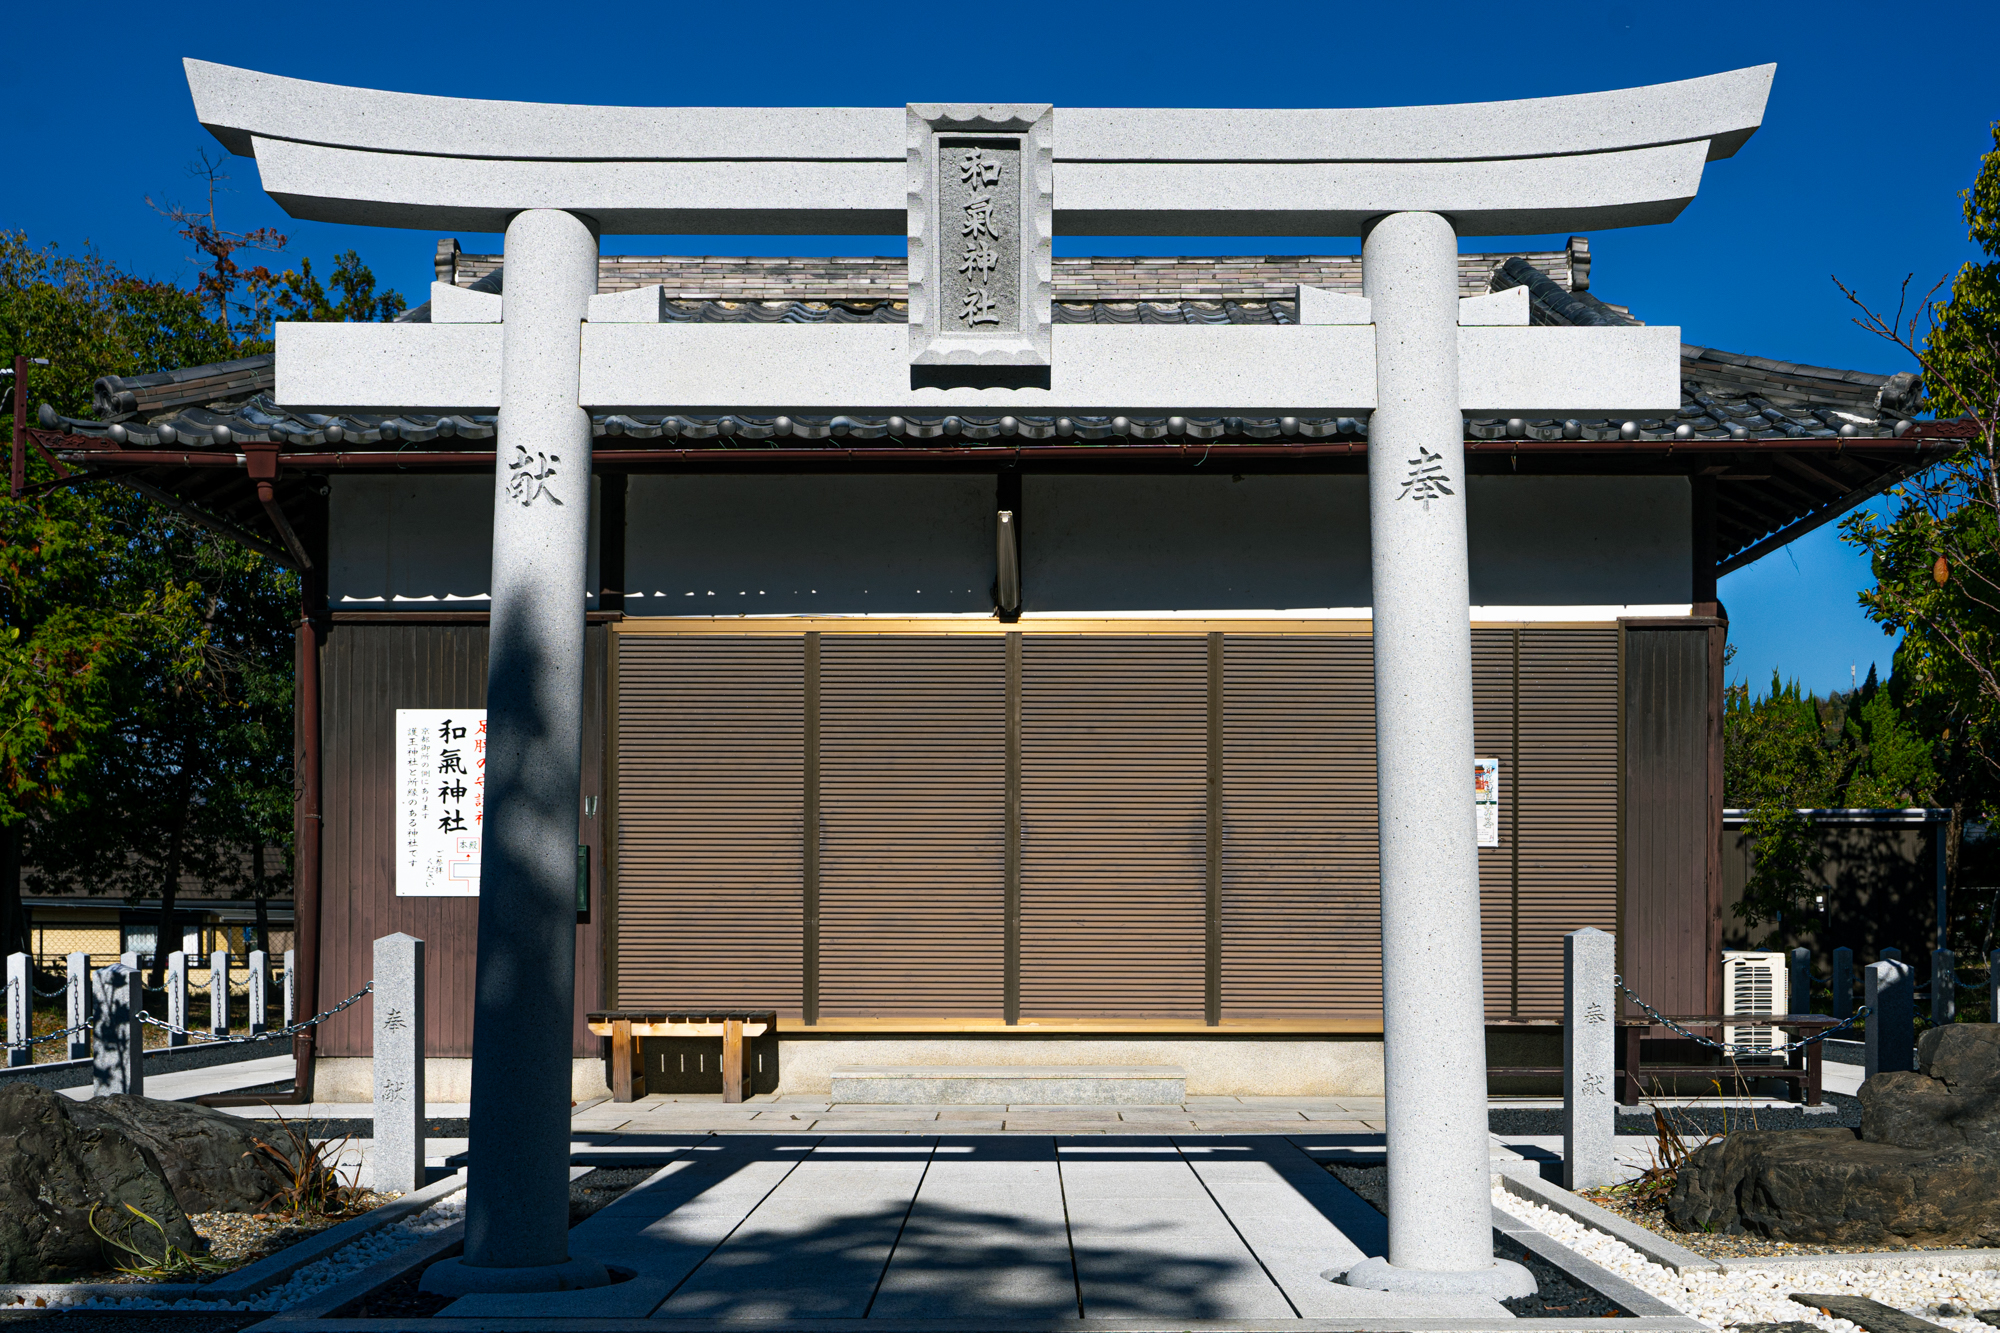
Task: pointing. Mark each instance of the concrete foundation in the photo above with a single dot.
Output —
(1012, 1085)
(352, 1079)
(1245, 1067)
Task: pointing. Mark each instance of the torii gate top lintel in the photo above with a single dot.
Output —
(1627, 157)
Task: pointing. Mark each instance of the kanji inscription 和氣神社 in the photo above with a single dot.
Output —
(440, 801)
(980, 234)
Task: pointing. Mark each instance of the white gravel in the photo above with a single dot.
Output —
(315, 1277)
(1762, 1295)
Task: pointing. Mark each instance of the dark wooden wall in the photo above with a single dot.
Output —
(1880, 886)
(1669, 918)
(369, 670)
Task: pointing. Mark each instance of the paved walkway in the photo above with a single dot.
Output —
(773, 1114)
(942, 1227)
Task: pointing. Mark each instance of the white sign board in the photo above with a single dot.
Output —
(440, 801)
(1486, 800)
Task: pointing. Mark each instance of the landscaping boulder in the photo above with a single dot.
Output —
(54, 1171)
(1827, 1187)
(1954, 1101)
(1919, 1172)
(211, 1159)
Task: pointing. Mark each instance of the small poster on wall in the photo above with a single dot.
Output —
(1486, 800)
(440, 801)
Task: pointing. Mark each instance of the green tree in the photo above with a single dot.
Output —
(1891, 761)
(301, 295)
(145, 665)
(194, 774)
(1936, 558)
(1779, 756)
(67, 621)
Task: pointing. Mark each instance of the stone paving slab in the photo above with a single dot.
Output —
(816, 1246)
(668, 1226)
(988, 1237)
(980, 1232)
(1149, 1240)
(1303, 1223)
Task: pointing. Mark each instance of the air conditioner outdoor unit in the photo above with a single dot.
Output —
(1753, 983)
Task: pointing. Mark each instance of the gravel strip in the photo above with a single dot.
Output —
(1744, 1296)
(1557, 1296)
(316, 1277)
(251, 1235)
(240, 1239)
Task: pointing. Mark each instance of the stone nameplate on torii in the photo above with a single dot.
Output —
(981, 184)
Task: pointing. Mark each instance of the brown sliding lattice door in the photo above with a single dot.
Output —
(912, 796)
(1301, 922)
(1114, 826)
(1042, 824)
(709, 777)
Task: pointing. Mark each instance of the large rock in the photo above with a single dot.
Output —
(1953, 1102)
(54, 1171)
(1827, 1187)
(1920, 1172)
(212, 1160)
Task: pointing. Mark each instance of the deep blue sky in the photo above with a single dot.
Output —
(1877, 121)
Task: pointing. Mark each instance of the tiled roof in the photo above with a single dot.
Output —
(1076, 277)
(1820, 420)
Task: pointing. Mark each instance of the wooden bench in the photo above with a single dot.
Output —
(626, 1026)
(1803, 1066)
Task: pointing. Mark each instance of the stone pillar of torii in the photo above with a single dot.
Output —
(979, 190)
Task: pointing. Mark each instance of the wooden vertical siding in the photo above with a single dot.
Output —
(1664, 947)
(369, 670)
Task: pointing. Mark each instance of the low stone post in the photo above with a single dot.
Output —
(291, 991)
(398, 1155)
(130, 960)
(78, 1006)
(1944, 986)
(118, 1060)
(1590, 959)
(1892, 1017)
(259, 1018)
(20, 1011)
(1799, 974)
(1843, 983)
(218, 992)
(1889, 955)
(177, 998)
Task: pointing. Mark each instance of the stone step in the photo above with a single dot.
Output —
(1012, 1085)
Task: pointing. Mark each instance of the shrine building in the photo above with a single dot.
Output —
(1014, 739)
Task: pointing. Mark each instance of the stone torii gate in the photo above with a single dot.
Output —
(980, 190)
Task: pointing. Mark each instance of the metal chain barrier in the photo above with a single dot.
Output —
(1738, 1048)
(37, 990)
(46, 1036)
(206, 1038)
(213, 1039)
